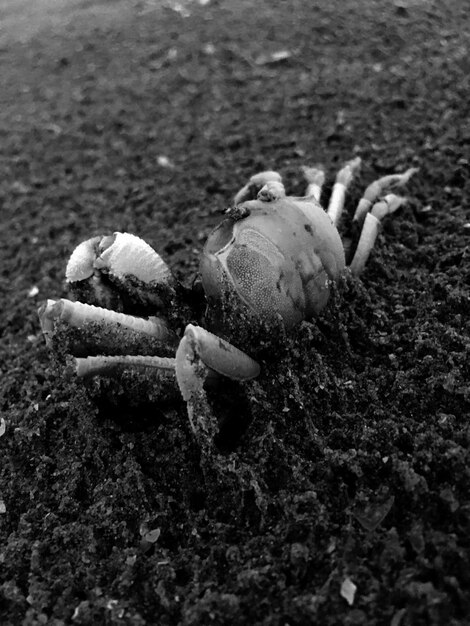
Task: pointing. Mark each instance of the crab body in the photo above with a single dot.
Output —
(279, 259)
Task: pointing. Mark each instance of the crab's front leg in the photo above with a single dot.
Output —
(200, 355)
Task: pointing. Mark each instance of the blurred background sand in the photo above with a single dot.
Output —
(22, 19)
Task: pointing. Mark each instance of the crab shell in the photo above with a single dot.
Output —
(279, 259)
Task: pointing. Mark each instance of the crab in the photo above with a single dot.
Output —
(275, 255)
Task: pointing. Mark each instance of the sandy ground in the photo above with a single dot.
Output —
(22, 19)
(342, 496)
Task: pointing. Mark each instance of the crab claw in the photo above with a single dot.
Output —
(120, 255)
(82, 259)
(99, 270)
(199, 355)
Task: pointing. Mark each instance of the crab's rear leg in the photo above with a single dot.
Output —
(372, 208)
(315, 178)
(201, 354)
(377, 189)
(371, 227)
(343, 179)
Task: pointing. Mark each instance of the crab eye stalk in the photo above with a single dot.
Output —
(255, 184)
(273, 190)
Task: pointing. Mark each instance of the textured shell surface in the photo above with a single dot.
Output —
(280, 259)
(120, 255)
(125, 254)
(80, 265)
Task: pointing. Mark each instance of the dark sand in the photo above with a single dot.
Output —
(354, 469)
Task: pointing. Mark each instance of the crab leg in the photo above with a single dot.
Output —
(315, 177)
(77, 314)
(108, 365)
(378, 188)
(102, 331)
(389, 204)
(200, 353)
(343, 180)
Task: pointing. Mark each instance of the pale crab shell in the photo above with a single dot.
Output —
(120, 254)
(280, 259)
